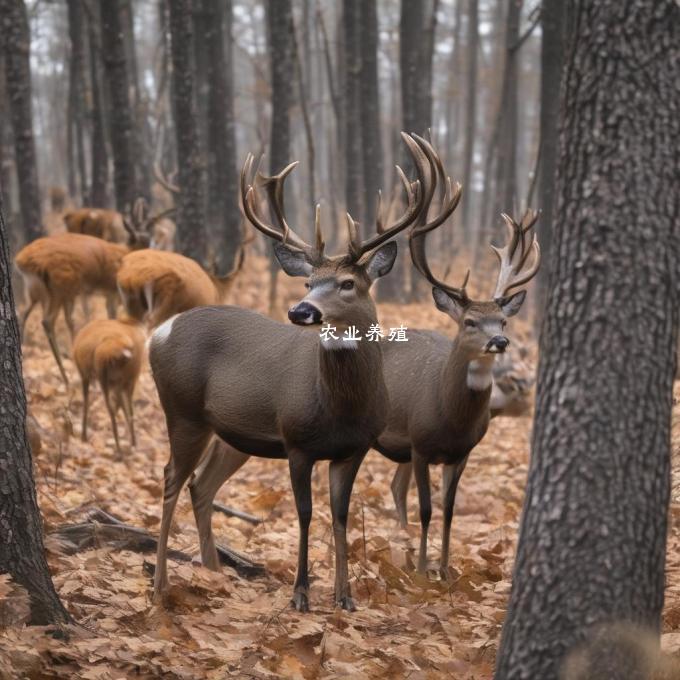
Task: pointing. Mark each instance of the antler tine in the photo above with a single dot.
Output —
(415, 200)
(319, 243)
(515, 254)
(164, 181)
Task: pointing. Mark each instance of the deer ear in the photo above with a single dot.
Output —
(381, 261)
(445, 303)
(292, 262)
(510, 304)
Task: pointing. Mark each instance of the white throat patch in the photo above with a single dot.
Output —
(339, 343)
(479, 376)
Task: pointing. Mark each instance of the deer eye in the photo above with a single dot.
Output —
(347, 285)
(469, 323)
(504, 323)
(307, 286)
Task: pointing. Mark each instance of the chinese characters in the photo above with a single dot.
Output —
(373, 334)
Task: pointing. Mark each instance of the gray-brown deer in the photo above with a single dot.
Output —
(440, 390)
(275, 390)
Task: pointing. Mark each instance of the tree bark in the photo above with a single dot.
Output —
(590, 561)
(120, 117)
(553, 20)
(22, 554)
(16, 42)
(222, 173)
(470, 113)
(191, 223)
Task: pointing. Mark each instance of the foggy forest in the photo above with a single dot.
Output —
(339, 338)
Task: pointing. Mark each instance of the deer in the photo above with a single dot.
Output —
(56, 269)
(155, 285)
(439, 389)
(276, 390)
(111, 351)
(99, 222)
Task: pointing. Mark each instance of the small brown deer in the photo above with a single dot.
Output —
(106, 224)
(440, 390)
(276, 390)
(111, 351)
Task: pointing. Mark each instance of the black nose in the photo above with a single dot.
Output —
(304, 314)
(498, 343)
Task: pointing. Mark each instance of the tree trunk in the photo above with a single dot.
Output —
(191, 223)
(553, 19)
(222, 174)
(22, 554)
(120, 117)
(99, 192)
(371, 144)
(590, 561)
(16, 41)
(279, 31)
(6, 162)
(470, 114)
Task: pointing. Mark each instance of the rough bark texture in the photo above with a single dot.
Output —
(553, 20)
(120, 114)
(16, 43)
(22, 554)
(222, 174)
(76, 117)
(470, 112)
(593, 533)
(371, 146)
(191, 223)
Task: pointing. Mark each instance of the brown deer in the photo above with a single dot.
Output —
(56, 269)
(440, 390)
(110, 351)
(276, 390)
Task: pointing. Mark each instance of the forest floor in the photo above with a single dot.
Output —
(220, 625)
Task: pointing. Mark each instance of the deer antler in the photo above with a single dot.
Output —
(514, 255)
(166, 183)
(274, 186)
(431, 165)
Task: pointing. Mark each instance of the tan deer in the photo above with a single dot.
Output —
(440, 390)
(110, 351)
(276, 390)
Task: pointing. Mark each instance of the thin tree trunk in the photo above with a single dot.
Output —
(22, 554)
(470, 114)
(16, 42)
(191, 223)
(222, 174)
(589, 573)
(120, 117)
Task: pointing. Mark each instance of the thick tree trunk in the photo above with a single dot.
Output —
(371, 145)
(22, 554)
(120, 113)
(99, 192)
(591, 552)
(191, 223)
(470, 113)
(6, 162)
(222, 174)
(553, 20)
(16, 42)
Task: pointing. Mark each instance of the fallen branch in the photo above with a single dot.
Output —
(231, 512)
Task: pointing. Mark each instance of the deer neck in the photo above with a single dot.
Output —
(466, 385)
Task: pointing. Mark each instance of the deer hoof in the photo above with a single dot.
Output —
(346, 603)
(300, 602)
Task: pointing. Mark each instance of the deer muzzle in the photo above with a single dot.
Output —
(304, 314)
(497, 345)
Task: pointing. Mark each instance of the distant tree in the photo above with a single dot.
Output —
(6, 164)
(591, 554)
(22, 554)
(470, 129)
(77, 173)
(120, 117)
(191, 222)
(222, 173)
(15, 40)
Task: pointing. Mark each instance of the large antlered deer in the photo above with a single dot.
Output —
(440, 390)
(276, 390)
(56, 269)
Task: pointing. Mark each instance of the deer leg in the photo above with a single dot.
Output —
(450, 478)
(48, 325)
(301, 480)
(399, 486)
(85, 306)
(187, 442)
(221, 462)
(111, 304)
(421, 471)
(86, 405)
(24, 317)
(112, 414)
(68, 316)
(128, 412)
(341, 476)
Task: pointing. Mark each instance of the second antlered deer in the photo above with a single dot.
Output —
(275, 390)
(440, 390)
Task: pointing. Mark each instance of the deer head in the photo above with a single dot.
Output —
(338, 285)
(481, 323)
(138, 223)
